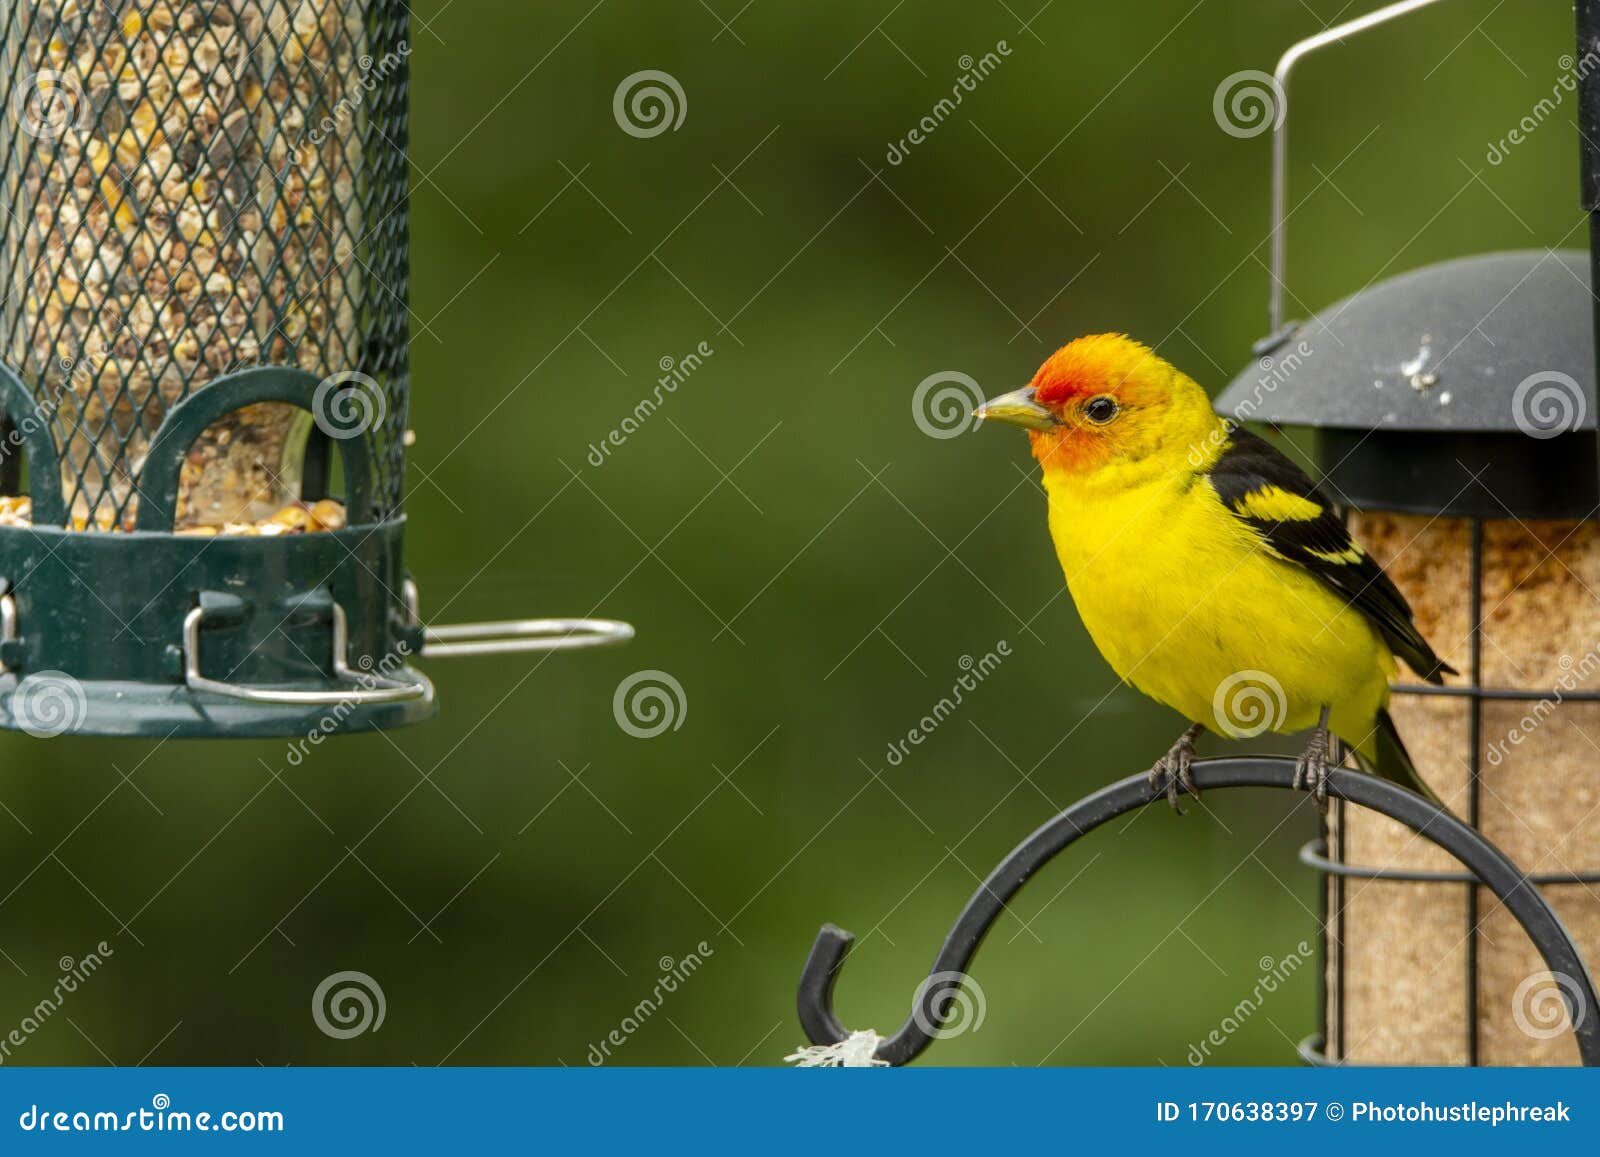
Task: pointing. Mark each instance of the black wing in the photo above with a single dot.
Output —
(1273, 496)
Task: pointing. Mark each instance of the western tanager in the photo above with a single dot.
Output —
(1207, 567)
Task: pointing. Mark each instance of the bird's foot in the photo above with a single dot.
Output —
(1173, 772)
(1311, 769)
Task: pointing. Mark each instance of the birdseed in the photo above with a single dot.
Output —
(184, 227)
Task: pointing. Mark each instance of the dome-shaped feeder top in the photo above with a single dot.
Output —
(1442, 348)
(1464, 388)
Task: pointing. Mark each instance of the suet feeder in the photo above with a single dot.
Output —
(204, 270)
(1454, 417)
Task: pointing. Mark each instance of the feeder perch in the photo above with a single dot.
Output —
(936, 996)
(204, 270)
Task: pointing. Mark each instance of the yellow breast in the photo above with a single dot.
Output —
(1187, 604)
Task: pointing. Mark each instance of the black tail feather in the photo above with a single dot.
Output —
(1393, 762)
(1420, 657)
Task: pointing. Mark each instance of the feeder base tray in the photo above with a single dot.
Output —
(52, 704)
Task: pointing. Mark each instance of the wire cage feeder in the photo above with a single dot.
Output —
(1454, 409)
(1488, 531)
(204, 279)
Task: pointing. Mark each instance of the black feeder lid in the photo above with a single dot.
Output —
(1465, 388)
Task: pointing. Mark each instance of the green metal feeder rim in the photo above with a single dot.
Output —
(154, 633)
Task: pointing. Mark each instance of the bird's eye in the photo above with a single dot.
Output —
(1101, 410)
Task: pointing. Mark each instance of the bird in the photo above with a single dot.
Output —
(1210, 571)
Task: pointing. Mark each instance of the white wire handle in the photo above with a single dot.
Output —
(1280, 139)
(511, 636)
(459, 640)
(359, 686)
(8, 619)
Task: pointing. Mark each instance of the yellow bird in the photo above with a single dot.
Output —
(1209, 570)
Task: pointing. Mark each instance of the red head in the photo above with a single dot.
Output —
(1103, 399)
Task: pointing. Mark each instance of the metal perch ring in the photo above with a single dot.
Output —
(1481, 858)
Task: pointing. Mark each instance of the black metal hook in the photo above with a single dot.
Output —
(1483, 859)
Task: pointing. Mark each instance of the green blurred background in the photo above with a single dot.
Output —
(795, 552)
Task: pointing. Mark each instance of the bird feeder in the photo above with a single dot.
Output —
(204, 271)
(1416, 388)
(1454, 412)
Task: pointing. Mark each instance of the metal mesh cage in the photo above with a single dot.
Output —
(1425, 967)
(192, 188)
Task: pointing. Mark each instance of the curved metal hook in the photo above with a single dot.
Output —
(1482, 858)
(1280, 143)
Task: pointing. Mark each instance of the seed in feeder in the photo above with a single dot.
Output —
(297, 518)
(294, 518)
(179, 190)
(329, 515)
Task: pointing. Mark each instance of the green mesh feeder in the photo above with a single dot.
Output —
(203, 308)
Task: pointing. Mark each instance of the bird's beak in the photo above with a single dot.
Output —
(1018, 409)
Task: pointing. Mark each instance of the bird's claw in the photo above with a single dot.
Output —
(1311, 769)
(1174, 771)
